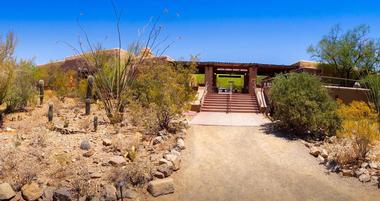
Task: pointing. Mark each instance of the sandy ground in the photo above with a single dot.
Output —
(245, 163)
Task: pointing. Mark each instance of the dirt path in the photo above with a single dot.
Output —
(244, 163)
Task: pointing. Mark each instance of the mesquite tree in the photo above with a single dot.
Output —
(350, 54)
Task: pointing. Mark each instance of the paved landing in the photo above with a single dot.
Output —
(229, 119)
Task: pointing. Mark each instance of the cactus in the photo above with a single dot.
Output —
(88, 106)
(50, 112)
(95, 123)
(41, 89)
(90, 85)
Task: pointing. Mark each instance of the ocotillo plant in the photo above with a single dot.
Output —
(50, 112)
(41, 84)
(90, 84)
(95, 123)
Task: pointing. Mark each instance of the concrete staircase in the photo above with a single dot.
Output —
(240, 103)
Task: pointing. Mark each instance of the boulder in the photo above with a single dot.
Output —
(31, 191)
(373, 165)
(85, 145)
(347, 173)
(165, 169)
(6, 191)
(17, 197)
(127, 193)
(364, 178)
(164, 161)
(89, 153)
(361, 171)
(62, 194)
(175, 152)
(109, 192)
(158, 174)
(161, 187)
(375, 179)
(170, 157)
(158, 140)
(321, 159)
(107, 142)
(48, 193)
(315, 151)
(180, 144)
(117, 161)
(324, 153)
(176, 161)
(364, 165)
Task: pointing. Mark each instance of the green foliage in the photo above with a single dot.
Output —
(22, 89)
(301, 103)
(224, 81)
(165, 89)
(7, 63)
(351, 54)
(360, 124)
(372, 82)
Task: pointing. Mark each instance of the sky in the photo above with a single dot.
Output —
(273, 32)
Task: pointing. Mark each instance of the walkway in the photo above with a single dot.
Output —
(229, 119)
(244, 164)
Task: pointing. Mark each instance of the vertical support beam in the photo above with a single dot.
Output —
(209, 73)
(252, 74)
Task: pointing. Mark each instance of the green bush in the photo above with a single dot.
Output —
(302, 104)
(164, 89)
(22, 89)
(372, 82)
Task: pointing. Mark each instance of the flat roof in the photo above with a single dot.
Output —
(217, 64)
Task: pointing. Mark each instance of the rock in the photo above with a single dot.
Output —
(117, 161)
(347, 173)
(158, 140)
(375, 179)
(365, 178)
(62, 194)
(321, 159)
(17, 197)
(181, 144)
(107, 142)
(127, 193)
(324, 153)
(109, 192)
(6, 191)
(175, 152)
(373, 165)
(161, 187)
(361, 171)
(164, 161)
(170, 157)
(95, 175)
(165, 169)
(89, 153)
(48, 193)
(364, 165)
(315, 151)
(85, 145)
(158, 174)
(162, 132)
(31, 191)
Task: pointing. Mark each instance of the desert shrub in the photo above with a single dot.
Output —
(135, 174)
(360, 124)
(22, 89)
(301, 103)
(372, 82)
(165, 89)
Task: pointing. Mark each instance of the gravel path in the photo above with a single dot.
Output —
(244, 163)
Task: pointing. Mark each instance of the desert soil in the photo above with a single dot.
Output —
(247, 163)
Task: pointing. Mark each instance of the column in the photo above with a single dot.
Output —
(209, 73)
(252, 74)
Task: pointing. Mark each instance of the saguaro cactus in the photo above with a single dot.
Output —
(90, 84)
(41, 84)
(50, 112)
(95, 123)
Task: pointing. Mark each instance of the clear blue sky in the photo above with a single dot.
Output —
(270, 31)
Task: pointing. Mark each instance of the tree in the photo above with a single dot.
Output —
(166, 89)
(301, 103)
(350, 54)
